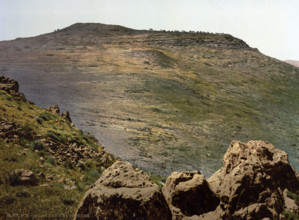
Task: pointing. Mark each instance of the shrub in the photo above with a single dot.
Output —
(45, 116)
(13, 179)
(7, 200)
(37, 145)
(27, 132)
(93, 175)
(294, 196)
(290, 215)
(51, 160)
(56, 136)
(68, 164)
(23, 194)
(68, 202)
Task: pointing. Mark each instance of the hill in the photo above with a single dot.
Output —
(165, 101)
(46, 164)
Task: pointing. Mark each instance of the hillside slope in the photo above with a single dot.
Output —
(46, 164)
(162, 100)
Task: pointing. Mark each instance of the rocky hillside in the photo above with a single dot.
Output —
(256, 181)
(163, 100)
(46, 164)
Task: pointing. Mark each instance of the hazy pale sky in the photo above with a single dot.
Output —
(272, 26)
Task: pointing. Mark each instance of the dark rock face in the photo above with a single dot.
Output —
(188, 193)
(252, 184)
(123, 193)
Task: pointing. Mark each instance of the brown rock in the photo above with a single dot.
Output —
(9, 85)
(252, 179)
(66, 116)
(54, 109)
(123, 193)
(22, 177)
(188, 193)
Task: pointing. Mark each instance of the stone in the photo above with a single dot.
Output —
(22, 177)
(9, 85)
(68, 187)
(252, 179)
(66, 116)
(54, 109)
(42, 160)
(188, 194)
(123, 193)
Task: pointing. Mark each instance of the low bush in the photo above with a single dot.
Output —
(37, 145)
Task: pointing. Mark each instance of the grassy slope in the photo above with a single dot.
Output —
(178, 98)
(41, 201)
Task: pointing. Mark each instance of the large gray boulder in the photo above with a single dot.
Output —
(123, 193)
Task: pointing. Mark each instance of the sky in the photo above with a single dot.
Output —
(272, 26)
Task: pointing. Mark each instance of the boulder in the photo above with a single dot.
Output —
(22, 177)
(188, 194)
(54, 109)
(9, 85)
(66, 116)
(251, 182)
(123, 193)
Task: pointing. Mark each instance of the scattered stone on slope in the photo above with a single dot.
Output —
(123, 193)
(22, 177)
(252, 180)
(13, 131)
(54, 109)
(188, 194)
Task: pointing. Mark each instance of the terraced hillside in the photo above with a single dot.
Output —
(162, 100)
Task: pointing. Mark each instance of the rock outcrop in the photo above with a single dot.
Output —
(252, 180)
(56, 110)
(11, 87)
(252, 184)
(188, 193)
(22, 177)
(123, 193)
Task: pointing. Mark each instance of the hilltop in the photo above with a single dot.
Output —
(163, 100)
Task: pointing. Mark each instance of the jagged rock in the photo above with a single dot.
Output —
(66, 116)
(22, 177)
(188, 193)
(123, 193)
(9, 85)
(252, 179)
(54, 109)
